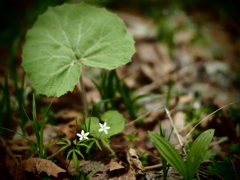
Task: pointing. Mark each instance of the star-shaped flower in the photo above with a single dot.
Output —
(104, 127)
(83, 135)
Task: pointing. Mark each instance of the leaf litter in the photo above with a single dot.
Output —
(195, 69)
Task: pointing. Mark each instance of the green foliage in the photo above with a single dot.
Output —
(164, 161)
(143, 156)
(169, 91)
(38, 127)
(194, 158)
(131, 137)
(114, 91)
(234, 114)
(198, 151)
(91, 127)
(210, 154)
(194, 115)
(169, 153)
(234, 148)
(226, 168)
(50, 115)
(107, 89)
(114, 120)
(66, 37)
(223, 168)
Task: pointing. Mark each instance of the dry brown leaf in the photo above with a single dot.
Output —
(115, 164)
(131, 175)
(18, 145)
(14, 170)
(38, 165)
(68, 114)
(133, 160)
(70, 130)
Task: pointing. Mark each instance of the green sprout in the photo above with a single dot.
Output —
(194, 158)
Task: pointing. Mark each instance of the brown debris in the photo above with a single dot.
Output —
(38, 165)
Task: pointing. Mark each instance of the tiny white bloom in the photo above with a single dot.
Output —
(83, 135)
(104, 127)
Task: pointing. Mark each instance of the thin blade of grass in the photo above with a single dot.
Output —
(198, 151)
(169, 153)
(35, 125)
(208, 116)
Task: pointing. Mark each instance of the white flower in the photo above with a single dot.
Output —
(83, 135)
(104, 127)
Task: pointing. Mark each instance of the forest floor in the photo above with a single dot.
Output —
(195, 76)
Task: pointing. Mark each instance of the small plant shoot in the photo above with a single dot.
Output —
(195, 157)
(65, 38)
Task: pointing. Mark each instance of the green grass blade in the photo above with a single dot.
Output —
(35, 126)
(198, 151)
(168, 152)
(16, 133)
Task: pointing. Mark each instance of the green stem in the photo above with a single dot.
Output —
(84, 96)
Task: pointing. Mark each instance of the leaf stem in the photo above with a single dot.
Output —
(84, 96)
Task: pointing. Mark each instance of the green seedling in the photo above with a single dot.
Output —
(75, 149)
(38, 127)
(143, 156)
(169, 91)
(165, 166)
(131, 138)
(194, 115)
(112, 122)
(107, 89)
(111, 87)
(195, 157)
(226, 169)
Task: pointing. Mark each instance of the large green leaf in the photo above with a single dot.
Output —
(168, 151)
(198, 151)
(71, 35)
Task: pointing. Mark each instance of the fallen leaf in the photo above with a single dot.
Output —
(115, 164)
(133, 160)
(68, 114)
(70, 130)
(38, 165)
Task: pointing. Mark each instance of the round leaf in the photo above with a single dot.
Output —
(71, 35)
(115, 121)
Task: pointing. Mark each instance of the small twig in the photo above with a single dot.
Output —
(175, 130)
(153, 166)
